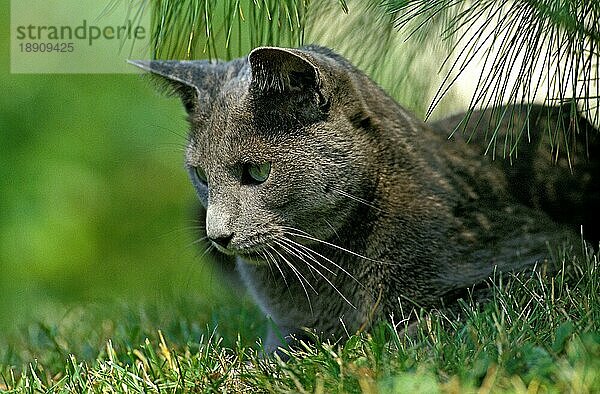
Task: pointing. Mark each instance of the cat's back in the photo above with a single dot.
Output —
(543, 170)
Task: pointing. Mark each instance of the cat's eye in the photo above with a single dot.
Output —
(257, 173)
(200, 174)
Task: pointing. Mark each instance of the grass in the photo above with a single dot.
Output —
(537, 334)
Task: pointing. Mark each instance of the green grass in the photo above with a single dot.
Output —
(537, 334)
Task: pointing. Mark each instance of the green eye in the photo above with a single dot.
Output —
(201, 174)
(259, 173)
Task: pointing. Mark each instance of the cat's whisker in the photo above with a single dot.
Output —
(357, 199)
(333, 286)
(295, 271)
(188, 229)
(294, 245)
(299, 233)
(336, 265)
(293, 252)
(295, 229)
(299, 276)
(185, 229)
(200, 240)
(264, 256)
(209, 249)
(300, 255)
(268, 253)
(332, 229)
(181, 136)
(170, 148)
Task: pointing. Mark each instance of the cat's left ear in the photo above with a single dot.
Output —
(285, 70)
(192, 81)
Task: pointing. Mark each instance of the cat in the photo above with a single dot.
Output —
(342, 207)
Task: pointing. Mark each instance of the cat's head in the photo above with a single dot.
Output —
(278, 145)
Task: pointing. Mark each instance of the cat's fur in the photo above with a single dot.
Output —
(366, 207)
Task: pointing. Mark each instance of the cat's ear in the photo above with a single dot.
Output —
(283, 70)
(190, 80)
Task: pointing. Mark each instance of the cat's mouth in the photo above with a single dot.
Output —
(265, 247)
(256, 254)
(260, 248)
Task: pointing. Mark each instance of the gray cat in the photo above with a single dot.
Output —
(341, 206)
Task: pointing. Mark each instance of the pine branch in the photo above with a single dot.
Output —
(531, 50)
(199, 29)
(525, 45)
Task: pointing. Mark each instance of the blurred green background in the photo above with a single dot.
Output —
(94, 203)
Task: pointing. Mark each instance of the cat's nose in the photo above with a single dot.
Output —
(222, 241)
(218, 225)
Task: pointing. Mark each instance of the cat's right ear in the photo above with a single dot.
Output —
(185, 79)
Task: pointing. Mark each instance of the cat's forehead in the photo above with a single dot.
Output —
(237, 129)
(230, 119)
